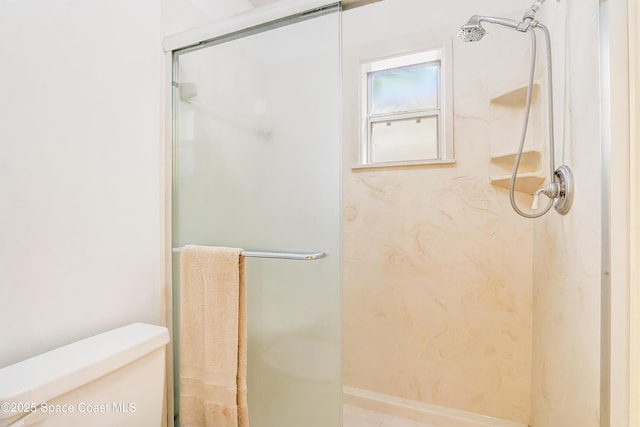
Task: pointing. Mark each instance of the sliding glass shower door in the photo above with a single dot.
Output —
(257, 166)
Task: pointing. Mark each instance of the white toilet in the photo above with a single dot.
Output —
(112, 379)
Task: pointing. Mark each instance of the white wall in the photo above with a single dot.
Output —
(80, 122)
(182, 15)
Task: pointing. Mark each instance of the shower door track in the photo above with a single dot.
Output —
(256, 20)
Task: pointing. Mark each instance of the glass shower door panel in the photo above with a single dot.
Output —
(257, 166)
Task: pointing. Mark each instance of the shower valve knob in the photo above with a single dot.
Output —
(560, 190)
(551, 190)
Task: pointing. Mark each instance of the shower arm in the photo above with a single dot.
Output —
(501, 22)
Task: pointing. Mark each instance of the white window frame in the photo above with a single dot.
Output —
(437, 55)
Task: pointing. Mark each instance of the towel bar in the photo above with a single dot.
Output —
(304, 256)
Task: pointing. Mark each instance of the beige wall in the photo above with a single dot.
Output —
(634, 259)
(439, 274)
(437, 267)
(567, 260)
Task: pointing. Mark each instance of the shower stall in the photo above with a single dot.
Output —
(410, 292)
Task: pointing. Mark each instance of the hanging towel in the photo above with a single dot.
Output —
(213, 338)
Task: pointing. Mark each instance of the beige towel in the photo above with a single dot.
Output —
(213, 350)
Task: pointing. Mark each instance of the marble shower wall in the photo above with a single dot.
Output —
(437, 267)
(567, 260)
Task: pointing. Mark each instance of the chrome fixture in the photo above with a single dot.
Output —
(560, 191)
(473, 30)
(560, 188)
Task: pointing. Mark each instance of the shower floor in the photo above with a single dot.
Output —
(354, 416)
(364, 408)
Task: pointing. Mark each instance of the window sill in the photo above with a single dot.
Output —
(444, 162)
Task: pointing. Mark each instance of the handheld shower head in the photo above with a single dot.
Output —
(473, 31)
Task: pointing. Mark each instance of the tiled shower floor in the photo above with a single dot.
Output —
(358, 417)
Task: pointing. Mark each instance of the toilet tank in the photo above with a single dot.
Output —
(112, 379)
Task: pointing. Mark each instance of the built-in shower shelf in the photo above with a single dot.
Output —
(509, 102)
(529, 161)
(515, 98)
(526, 183)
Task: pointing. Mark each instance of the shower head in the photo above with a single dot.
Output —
(473, 31)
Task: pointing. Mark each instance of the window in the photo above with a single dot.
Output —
(407, 110)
